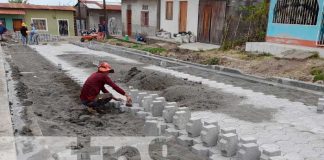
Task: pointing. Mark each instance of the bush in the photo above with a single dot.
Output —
(154, 50)
(316, 71)
(212, 61)
(319, 77)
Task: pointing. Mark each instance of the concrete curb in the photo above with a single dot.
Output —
(276, 81)
(7, 139)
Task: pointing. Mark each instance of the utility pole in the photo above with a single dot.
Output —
(106, 19)
(79, 11)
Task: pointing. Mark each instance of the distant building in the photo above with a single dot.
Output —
(55, 20)
(296, 22)
(140, 16)
(92, 14)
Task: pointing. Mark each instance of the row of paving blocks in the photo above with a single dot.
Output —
(205, 139)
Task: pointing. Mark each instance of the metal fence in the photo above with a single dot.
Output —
(43, 37)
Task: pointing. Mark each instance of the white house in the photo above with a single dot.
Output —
(140, 16)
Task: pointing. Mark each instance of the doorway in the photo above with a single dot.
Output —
(63, 26)
(129, 22)
(17, 24)
(183, 16)
(211, 21)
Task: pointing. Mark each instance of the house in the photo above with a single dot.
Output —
(91, 14)
(55, 20)
(140, 16)
(296, 22)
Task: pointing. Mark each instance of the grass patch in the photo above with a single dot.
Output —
(316, 71)
(212, 61)
(154, 50)
(319, 77)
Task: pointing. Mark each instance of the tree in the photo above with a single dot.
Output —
(18, 1)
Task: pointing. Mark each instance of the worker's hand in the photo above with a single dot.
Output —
(128, 100)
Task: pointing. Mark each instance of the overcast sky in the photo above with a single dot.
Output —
(56, 2)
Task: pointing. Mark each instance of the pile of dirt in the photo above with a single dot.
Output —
(152, 81)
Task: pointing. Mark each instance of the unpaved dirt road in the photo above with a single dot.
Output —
(48, 95)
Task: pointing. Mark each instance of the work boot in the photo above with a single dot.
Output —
(92, 111)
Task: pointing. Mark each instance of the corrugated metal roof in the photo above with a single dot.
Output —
(97, 5)
(12, 12)
(35, 7)
(92, 6)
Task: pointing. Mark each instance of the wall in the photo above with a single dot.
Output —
(8, 19)
(293, 33)
(52, 17)
(173, 25)
(136, 7)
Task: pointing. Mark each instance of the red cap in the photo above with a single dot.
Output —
(104, 67)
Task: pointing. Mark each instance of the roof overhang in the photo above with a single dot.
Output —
(12, 12)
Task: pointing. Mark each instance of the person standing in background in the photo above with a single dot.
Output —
(23, 32)
(3, 29)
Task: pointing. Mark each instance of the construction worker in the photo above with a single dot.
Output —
(24, 34)
(90, 94)
(3, 29)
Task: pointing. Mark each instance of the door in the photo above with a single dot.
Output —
(320, 41)
(183, 16)
(129, 22)
(17, 24)
(63, 27)
(211, 21)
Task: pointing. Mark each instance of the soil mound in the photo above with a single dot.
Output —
(152, 81)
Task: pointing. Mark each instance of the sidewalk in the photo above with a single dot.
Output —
(7, 143)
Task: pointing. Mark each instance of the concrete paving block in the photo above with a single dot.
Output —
(161, 99)
(249, 151)
(246, 140)
(134, 110)
(130, 87)
(277, 158)
(172, 104)
(146, 103)
(157, 108)
(194, 127)
(163, 127)
(140, 98)
(168, 113)
(197, 140)
(134, 93)
(142, 114)
(269, 150)
(172, 131)
(228, 130)
(209, 135)
(154, 96)
(200, 150)
(151, 118)
(152, 128)
(228, 144)
(185, 141)
(320, 107)
(180, 120)
(187, 110)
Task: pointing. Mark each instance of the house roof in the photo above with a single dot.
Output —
(12, 12)
(96, 5)
(34, 7)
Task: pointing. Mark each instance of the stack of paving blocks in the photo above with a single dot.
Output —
(209, 135)
(169, 112)
(181, 118)
(320, 106)
(152, 128)
(248, 149)
(157, 108)
(270, 151)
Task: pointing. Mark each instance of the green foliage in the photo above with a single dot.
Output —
(136, 46)
(154, 50)
(212, 61)
(319, 77)
(226, 45)
(316, 71)
(18, 1)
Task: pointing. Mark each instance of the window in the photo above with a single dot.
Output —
(145, 18)
(296, 12)
(40, 24)
(145, 7)
(169, 10)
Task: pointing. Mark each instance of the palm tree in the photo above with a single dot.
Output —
(18, 1)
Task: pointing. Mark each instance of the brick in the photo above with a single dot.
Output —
(185, 141)
(142, 114)
(249, 151)
(157, 108)
(168, 113)
(172, 104)
(180, 120)
(269, 150)
(228, 144)
(146, 103)
(200, 150)
(246, 140)
(154, 96)
(172, 131)
(209, 135)
(194, 127)
(140, 98)
(187, 110)
(134, 93)
(152, 128)
(161, 99)
(134, 110)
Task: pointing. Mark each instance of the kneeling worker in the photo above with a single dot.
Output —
(90, 94)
